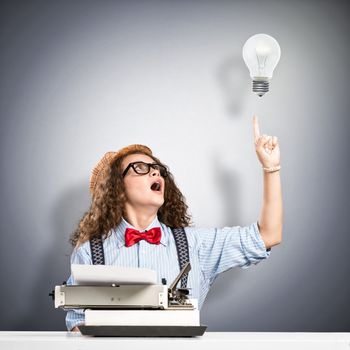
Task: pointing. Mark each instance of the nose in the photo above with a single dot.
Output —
(154, 172)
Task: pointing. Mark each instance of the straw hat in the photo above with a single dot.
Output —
(107, 160)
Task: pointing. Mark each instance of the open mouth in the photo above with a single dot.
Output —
(156, 186)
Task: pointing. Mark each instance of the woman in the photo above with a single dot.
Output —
(136, 203)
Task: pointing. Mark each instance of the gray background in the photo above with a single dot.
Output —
(79, 78)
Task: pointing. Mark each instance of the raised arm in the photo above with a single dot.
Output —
(271, 216)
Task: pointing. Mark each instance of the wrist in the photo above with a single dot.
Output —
(271, 169)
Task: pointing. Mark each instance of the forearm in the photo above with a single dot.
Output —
(271, 215)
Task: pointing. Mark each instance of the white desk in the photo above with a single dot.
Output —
(210, 340)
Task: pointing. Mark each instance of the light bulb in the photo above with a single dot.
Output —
(261, 53)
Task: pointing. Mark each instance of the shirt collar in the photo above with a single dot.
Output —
(120, 231)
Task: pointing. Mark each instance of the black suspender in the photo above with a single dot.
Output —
(97, 253)
(182, 251)
(181, 242)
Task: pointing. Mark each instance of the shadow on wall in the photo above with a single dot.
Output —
(55, 267)
(227, 183)
(233, 76)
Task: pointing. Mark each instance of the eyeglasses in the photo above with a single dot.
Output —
(143, 168)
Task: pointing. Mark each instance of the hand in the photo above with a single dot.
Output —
(266, 147)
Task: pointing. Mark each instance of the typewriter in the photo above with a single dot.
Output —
(133, 310)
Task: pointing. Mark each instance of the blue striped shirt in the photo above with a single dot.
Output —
(212, 251)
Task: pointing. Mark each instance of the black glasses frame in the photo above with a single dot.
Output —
(162, 169)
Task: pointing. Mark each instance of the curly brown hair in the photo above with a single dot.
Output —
(108, 202)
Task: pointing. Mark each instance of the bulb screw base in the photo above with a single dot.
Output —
(260, 87)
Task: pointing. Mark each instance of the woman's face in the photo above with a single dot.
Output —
(138, 187)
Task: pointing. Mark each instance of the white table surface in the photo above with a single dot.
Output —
(210, 340)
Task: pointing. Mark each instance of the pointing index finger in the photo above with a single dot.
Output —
(256, 128)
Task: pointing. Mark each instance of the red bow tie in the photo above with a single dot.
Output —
(133, 236)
